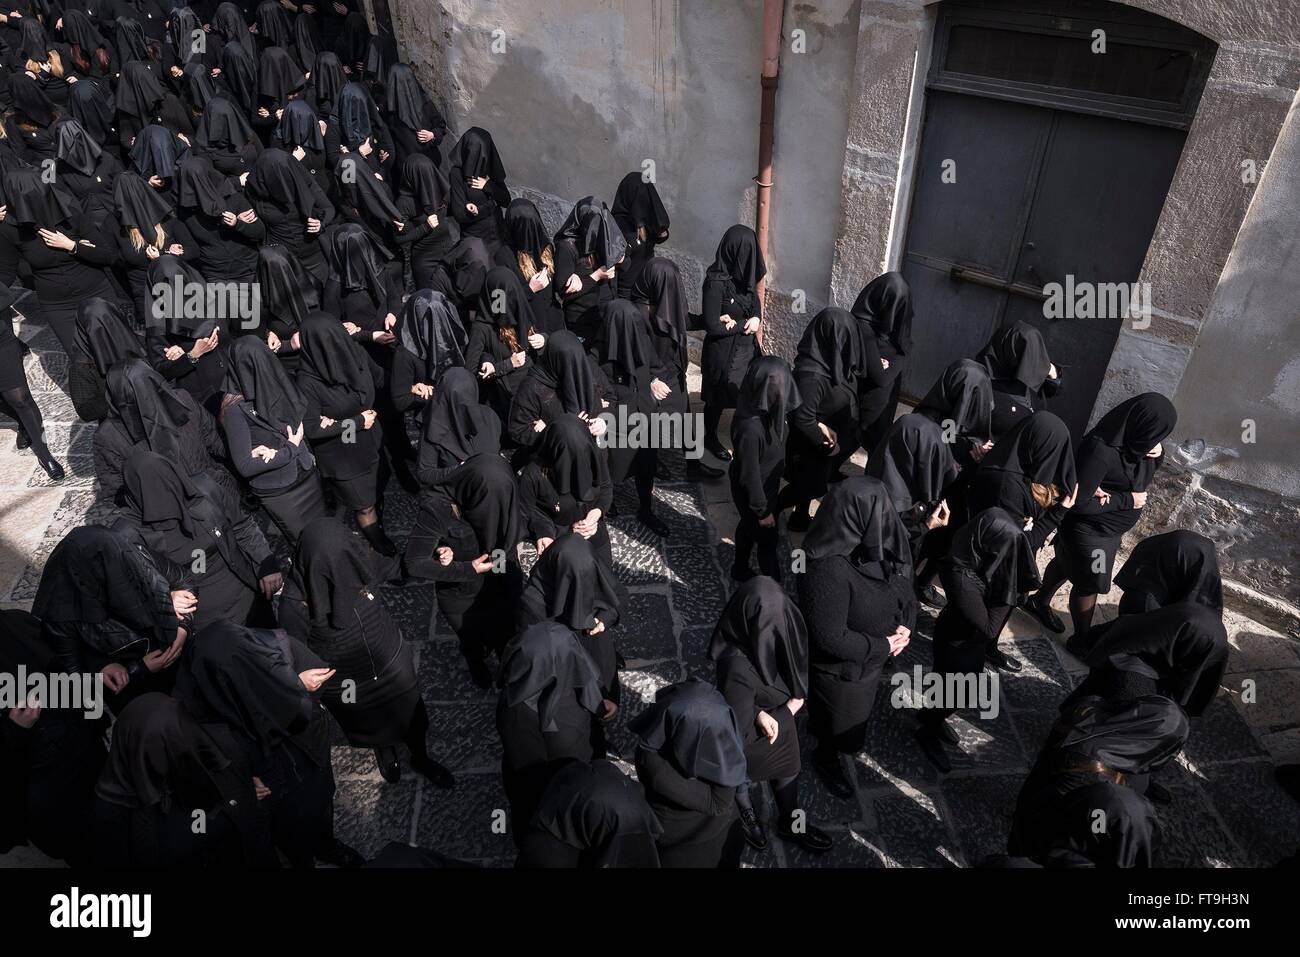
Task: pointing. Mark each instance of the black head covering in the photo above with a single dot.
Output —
(175, 274)
(200, 88)
(566, 448)
(277, 74)
(381, 52)
(273, 25)
(425, 183)
(243, 678)
(406, 98)
(160, 757)
(200, 186)
(239, 74)
(768, 392)
(287, 289)
(541, 666)
(964, 396)
(139, 204)
(93, 105)
(103, 335)
(457, 422)
(182, 27)
(856, 520)
(1017, 352)
(571, 229)
(1178, 566)
(353, 40)
(430, 330)
(832, 347)
(150, 411)
(33, 44)
(356, 112)
(485, 490)
(600, 238)
(886, 306)
(660, 285)
(1039, 449)
(914, 462)
(625, 338)
(354, 262)
(306, 39)
(35, 203)
(229, 23)
(333, 573)
(636, 204)
(527, 232)
(132, 43)
(564, 367)
(1132, 737)
(30, 100)
(692, 725)
(223, 126)
(330, 355)
(600, 811)
(299, 126)
(158, 492)
(504, 304)
(476, 155)
(994, 547)
(77, 148)
(1137, 425)
(571, 585)
(327, 81)
(91, 577)
(281, 179)
(365, 190)
(762, 623)
(80, 31)
(157, 151)
(257, 374)
(738, 260)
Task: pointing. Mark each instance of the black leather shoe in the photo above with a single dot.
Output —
(1045, 615)
(717, 450)
(52, 468)
(997, 659)
(833, 777)
(435, 772)
(755, 833)
(654, 523)
(1159, 794)
(931, 596)
(932, 748)
(390, 769)
(22, 441)
(340, 855)
(698, 470)
(813, 839)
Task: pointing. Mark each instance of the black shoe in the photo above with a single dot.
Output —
(741, 573)
(813, 839)
(947, 734)
(52, 468)
(832, 775)
(435, 772)
(1159, 794)
(479, 673)
(698, 470)
(932, 747)
(340, 855)
(717, 450)
(799, 521)
(654, 523)
(931, 596)
(23, 441)
(1045, 615)
(390, 769)
(380, 542)
(755, 833)
(996, 658)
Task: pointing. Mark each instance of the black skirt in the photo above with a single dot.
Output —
(361, 491)
(12, 374)
(1082, 554)
(294, 508)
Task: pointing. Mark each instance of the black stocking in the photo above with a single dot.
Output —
(20, 404)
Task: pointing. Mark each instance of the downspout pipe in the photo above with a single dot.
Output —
(773, 18)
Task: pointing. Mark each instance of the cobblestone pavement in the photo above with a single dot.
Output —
(1227, 809)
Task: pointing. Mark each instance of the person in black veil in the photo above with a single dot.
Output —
(361, 291)
(229, 26)
(104, 338)
(148, 230)
(262, 418)
(823, 430)
(572, 585)
(856, 597)
(30, 125)
(479, 194)
(765, 400)
(456, 428)
(547, 714)
(198, 89)
(279, 81)
(530, 253)
(586, 268)
(352, 41)
(416, 125)
(225, 230)
(234, 572)
(884, 307)
(430, 233)
(187, 349)
(1022, 372)
(306, 39)
(358, 129)
(331, 604)
(130, 40)
(1098, 758)
(760, 646)
(1166, 569)
(288, 294)
(1117, 462)
(83, 165)
(987, 572)
(252, 692)
(325, 86)
(162, 768)
(91, 103)
(142, 101)
(154, 156)
(465, 539)
(337, 381)
(732, 324)
(501, 335)
(961, 403)
(293, 207)
(15, 393)
(562, 381)
(591, 816)
(566, 487)
(49, 757)
(239, 78)
(226, 138)
(644, 222)
(274, 28)
(111, 608)
(145, 412)
(430, 344)
(91, 54)
(690, 759)
(186, 45)
(298, 132)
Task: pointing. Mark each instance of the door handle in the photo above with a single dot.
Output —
(997, 282)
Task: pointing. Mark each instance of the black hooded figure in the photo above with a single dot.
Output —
(149, 229)
(252, 692)
(465, 540)
(299, 129)
(563, 381)
(293, 207)
(1098, 758)
(732, 323)
(288, 294)
(187, 348)
(759, 432)
(856, 597)
(456, 428)
(225, 136)
(528, 251)
(332, 605)
(823, 431)
(430, 234)
(84, 166)
(360, 290)
(430, 343)
(93, 106)
(499, 339)
(690, 760)
(1117, 462)
(546, 715)
(641, 217)
(566, 487)
(479, 194)
(262, 418)
(587, 257)
(416, 125)
(1022, 372)
(884, 307)
(591, 816)
(1166, 569)
(987, 572)
(225, 231)
(104, 338)
(760, 646)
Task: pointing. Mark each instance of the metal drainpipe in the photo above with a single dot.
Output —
(773, 17)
